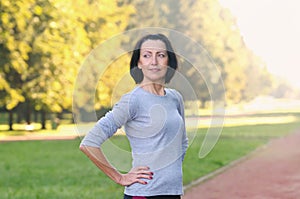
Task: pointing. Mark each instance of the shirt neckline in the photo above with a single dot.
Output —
(152, 94)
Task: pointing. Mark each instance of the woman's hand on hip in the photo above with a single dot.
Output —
(136, 175)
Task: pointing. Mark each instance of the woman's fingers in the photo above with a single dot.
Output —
(136, 175)
(145, 176)
(142, 172)
(142, 168)
(141, 181)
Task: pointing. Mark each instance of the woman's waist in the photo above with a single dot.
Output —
(163, 183)
(159, 159)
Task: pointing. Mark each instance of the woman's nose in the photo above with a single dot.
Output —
(154, 60)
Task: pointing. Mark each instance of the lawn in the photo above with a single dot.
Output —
(50, 169)
(57, 169)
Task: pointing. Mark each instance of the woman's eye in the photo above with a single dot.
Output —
(146, 55)
(162, 55)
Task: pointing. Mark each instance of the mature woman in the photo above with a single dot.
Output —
(153, 118)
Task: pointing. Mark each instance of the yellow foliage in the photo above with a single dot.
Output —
(14, 99)
(38, 10)
(114, 82)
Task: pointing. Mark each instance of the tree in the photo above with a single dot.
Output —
(258, 80)
(211, 26)
(43, 44)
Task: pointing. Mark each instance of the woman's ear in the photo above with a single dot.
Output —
(139, 65)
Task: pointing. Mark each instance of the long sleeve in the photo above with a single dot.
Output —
(181, 112)
(110, 123)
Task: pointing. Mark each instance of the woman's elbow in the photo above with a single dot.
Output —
(83, 148)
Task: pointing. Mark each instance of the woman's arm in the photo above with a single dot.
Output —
(135, 175)
(181, 112)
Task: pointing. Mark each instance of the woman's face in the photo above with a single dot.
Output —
(153, 61)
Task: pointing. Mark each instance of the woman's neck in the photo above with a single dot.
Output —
(154, 88)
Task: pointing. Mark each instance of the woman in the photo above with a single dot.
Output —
(153, 118)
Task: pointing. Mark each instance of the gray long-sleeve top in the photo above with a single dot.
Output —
(155, 128)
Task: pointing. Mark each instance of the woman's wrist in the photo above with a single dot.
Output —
(118, 179)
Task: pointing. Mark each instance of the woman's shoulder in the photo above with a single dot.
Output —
(174, 93)
(133, 93)
(130, 97)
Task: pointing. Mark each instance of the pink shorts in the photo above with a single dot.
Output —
(152, 197)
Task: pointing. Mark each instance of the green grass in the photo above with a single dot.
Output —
(50, 169)
(234, 143)
(57, 169)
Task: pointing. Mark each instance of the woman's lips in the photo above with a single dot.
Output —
(154, 69)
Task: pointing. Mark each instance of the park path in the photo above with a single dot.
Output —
(270, 173)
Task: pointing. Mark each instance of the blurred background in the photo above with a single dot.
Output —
(252, 49)
(43, 43)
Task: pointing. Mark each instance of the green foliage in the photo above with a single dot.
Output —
(216, 30)
(43, 44)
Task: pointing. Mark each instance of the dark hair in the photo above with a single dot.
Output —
(137, 73)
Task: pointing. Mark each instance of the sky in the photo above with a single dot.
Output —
(271, 28)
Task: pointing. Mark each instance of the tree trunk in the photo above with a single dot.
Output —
(10, 120)
(28, 113)
(35, 116)
(203, 103)
(20, 113)
(43, 119)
